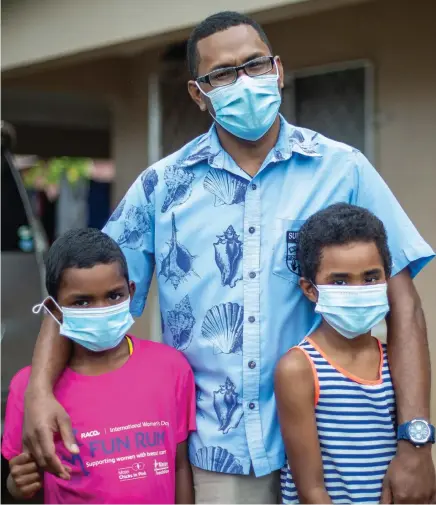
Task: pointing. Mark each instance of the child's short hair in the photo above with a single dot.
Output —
(340, 224)
(81, 248)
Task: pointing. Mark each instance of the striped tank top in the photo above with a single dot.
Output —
(356, 430)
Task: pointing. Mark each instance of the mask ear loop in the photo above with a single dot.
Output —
(277, 69)
(315, 287)
(36, 309)
(199, 89)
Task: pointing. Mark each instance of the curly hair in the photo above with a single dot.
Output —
(340, 224)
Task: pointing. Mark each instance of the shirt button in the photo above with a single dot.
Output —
(252, 275)
(252, 229)
(253, 187)
(251, 405)
(252, 364)
(251, 319)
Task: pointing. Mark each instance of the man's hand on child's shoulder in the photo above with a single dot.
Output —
(25, 480)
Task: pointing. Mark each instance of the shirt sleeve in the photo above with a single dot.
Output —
(13, 424)
(132, 227)
(186, 403)
(407, 247)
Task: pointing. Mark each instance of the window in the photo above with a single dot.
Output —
(335, 101)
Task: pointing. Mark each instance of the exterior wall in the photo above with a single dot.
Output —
(399, 39)
(405, 100)
(105, 23)
(103, 78)
(396, 35)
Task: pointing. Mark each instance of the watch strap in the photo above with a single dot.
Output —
(403, 433)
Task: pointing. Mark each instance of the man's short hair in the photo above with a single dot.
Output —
(214, 24)
(81, 248)
(340, 224)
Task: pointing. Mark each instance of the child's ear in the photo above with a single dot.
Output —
(132, 288)
(309, 290)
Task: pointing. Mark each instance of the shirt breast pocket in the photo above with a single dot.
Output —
(285, 262)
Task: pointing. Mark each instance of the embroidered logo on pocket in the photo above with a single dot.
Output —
(291, 252)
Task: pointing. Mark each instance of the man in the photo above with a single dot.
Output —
(220, 220)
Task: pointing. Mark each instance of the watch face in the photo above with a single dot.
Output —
(419, 431)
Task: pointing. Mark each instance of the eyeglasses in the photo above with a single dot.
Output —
(228, 75)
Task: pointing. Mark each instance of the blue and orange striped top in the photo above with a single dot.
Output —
(356, 429)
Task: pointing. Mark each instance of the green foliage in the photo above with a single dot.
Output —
(50, 173)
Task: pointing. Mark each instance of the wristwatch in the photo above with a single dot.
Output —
(417, 431)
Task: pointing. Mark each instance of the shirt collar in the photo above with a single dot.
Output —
(206, 147)
(295, 140)
(291, 140)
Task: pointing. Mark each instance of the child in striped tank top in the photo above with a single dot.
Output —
(334, 393)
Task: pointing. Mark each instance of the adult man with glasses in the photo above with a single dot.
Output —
(220, 220)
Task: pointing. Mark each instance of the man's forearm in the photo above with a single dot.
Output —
(50, 356)
(43, 415)
(409, 357)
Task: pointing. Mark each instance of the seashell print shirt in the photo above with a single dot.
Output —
(223, 245)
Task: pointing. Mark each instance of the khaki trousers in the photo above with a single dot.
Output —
(213, 487)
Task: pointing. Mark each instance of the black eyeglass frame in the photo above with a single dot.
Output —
(206, 78)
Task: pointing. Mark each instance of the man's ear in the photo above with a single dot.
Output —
(197, 96)
(132, 289)
(309, 290)
(281, 72)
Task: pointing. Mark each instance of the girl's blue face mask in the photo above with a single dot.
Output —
(352, 310)
(247, 108)
(96, 329)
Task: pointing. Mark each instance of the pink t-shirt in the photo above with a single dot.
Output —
(127, 423)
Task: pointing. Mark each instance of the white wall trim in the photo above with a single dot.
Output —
(154, 133)
(154, 119)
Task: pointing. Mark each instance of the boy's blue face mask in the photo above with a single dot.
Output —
(97, 329)
(352, 310)
(247, 108)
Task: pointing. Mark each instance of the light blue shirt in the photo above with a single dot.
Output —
(224, 248)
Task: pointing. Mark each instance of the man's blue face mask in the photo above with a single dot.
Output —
(247, 108)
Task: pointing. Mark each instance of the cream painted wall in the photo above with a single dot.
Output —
(105, 77)
(398, 39)
(398, 36)
(38, 31)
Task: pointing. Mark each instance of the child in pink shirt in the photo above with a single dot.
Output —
(131, 402)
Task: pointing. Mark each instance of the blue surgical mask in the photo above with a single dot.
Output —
(352, 310)
(247, 108)
(97, 329)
